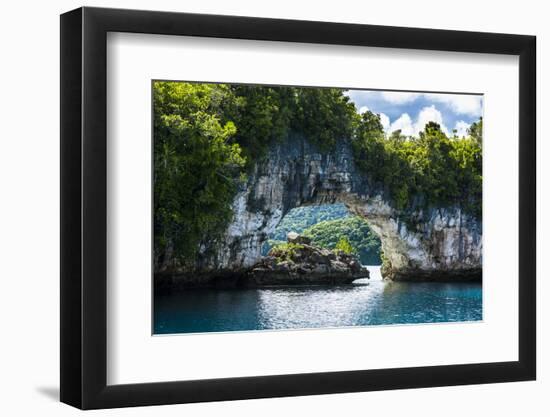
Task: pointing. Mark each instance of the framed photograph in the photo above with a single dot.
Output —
(256, 208)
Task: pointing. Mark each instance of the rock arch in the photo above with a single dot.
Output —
(436, 244)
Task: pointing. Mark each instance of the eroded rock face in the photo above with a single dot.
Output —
(438, 244)
(305, 264)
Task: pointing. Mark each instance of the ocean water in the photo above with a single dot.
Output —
(363, 303)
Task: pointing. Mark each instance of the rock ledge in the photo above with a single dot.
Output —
(300, 263)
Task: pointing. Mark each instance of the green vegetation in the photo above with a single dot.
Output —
(300, 218)
(476, 131)
(326, 225)
(285, 252)
(424, 171)
(352, 230)
(207, 137)
(344, 245)
(196, 169)
(264, 115)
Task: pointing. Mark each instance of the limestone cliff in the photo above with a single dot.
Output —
(438, 243)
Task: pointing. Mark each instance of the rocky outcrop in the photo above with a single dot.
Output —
(434, 244)
(300, 263)
(293, 237)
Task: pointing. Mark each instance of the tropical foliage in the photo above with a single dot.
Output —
(327, 225)
(285, 252)
(300, 218)
(344, 245)
(351, 234)
(432, 169)
(208, 136)
(196, 168)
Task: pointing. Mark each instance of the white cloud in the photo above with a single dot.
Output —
(460, 103)
(385, 120)
(461, 128)
(429, 114)
(403, 123)
(398, 97)
(410, 128)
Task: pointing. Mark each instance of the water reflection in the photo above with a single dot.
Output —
(373, 302)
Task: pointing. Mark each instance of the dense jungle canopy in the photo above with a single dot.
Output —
(208, 136)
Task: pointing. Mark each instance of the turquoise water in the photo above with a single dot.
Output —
(364, 303)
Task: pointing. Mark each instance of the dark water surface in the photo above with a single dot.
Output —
(364, 303)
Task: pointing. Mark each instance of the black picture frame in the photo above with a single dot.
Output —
(84, 207)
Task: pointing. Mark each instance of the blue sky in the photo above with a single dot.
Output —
(411, 111)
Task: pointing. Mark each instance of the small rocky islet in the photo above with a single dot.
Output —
(298, 262)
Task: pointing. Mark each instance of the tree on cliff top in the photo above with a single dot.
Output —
(205, 134)
(425, 171)
(196, 169)
(264, 115)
